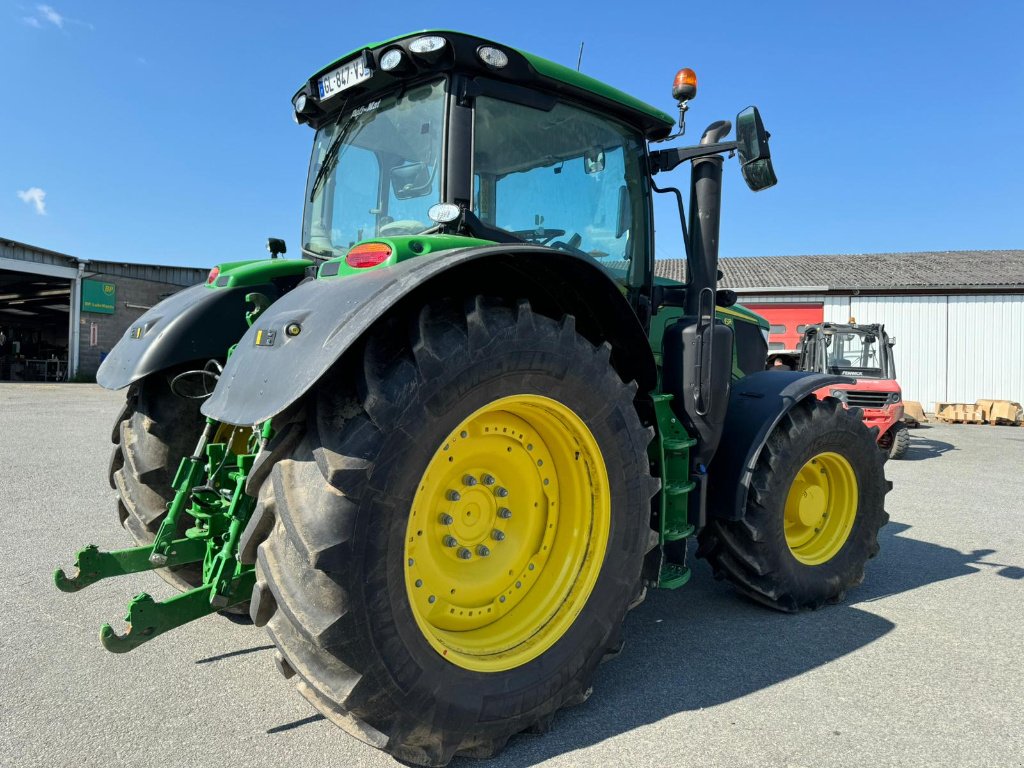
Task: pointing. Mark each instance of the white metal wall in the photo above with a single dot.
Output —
(948, 348)
(919, 325)
(986, 348)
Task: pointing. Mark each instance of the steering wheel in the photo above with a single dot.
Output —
(539, 236)
(402, 227)
(572, 246)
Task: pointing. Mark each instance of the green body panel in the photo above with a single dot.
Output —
(557, 74)
(563, 74)
(257, 272)
(402, 248)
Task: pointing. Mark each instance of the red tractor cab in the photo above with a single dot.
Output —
(864, 353)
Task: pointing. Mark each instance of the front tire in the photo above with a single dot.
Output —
(813, 512)
(899, 440)
(478, 409)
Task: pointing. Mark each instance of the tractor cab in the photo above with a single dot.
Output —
(862, 351)
(441, 140)
(865, 354)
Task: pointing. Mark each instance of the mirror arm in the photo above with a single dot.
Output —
(669, 159)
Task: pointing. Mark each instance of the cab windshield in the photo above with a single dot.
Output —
(566, 178)
(856, 354)
(375, 171)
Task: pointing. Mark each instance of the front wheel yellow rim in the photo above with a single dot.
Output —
(821, 507)
(507, 533)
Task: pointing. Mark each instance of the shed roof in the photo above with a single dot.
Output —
(938, 270)
(174, 275)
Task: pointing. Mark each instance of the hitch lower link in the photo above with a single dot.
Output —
(209, 487)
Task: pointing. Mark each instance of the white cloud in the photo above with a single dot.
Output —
(46, 13)
(36, 197)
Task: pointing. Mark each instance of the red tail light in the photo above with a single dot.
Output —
(213, 275)
(368, 255)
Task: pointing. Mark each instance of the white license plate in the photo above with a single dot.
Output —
(345, 76)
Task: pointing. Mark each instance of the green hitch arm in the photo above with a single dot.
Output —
(189, 473)
(94, 565)
(225, 568)
(147, 618)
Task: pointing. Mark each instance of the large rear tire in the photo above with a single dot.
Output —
(813, 512)
(402, 535)
(155, 430)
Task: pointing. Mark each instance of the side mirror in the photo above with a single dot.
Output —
(593, 161)
(411, 180)
(892, 341)
(755, 157)
(276, 247)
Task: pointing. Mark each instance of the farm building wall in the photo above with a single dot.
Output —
(949, 348)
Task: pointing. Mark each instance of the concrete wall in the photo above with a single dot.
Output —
(110, 328)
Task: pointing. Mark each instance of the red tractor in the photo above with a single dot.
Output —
(864, 353)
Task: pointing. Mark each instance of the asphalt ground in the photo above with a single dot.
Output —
(921, 666)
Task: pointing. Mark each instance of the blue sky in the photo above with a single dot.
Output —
(162, 132)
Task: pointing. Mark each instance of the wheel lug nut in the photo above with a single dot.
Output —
(504, 513)
(487, 479)
(482, 550)
(498, 535)
(450, 541)
(464, 554)
(502, 492)
(469, 480)
(445, 519)
(453, 495)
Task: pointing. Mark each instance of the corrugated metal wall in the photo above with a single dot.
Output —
(837, 309)
(919, 325)
(948, 348)
(986, 348)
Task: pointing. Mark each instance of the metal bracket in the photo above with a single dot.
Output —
(94, 565)
(147, 618)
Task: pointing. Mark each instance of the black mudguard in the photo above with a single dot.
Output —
(756, 405)
(301, 336)
(197, 323)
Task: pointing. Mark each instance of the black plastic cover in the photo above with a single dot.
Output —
(699, 360)
(326, 317)
(197, 323)
(757, 404)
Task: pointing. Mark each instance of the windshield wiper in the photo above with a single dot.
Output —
(331, 156)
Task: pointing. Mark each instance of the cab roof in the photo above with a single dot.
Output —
(523, 68)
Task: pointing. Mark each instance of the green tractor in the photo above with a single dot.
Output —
(441, 456)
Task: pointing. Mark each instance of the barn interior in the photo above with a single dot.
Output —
(34, 315)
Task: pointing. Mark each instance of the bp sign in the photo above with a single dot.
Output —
(98, 297)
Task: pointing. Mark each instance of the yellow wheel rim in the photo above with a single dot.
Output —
(507, 533)
(236, 437)
(820, 508)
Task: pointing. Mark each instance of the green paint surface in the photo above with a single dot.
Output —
(402, 248)
(546, 69)
(257, 272)
(98, 297)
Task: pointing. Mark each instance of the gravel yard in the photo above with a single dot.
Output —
(922, 665)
